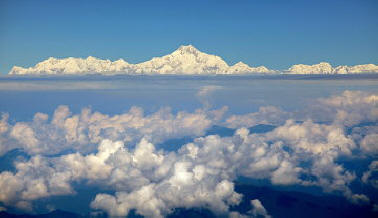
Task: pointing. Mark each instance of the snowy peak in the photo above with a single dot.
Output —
(184, 60)
(364, 68)
(321, 68)
(241, 68)
(240, 65)
(187, 49)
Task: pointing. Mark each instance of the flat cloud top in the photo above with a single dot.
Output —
(186, 60)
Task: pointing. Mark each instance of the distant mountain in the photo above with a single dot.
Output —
(326, 68)
(90, 65)
(186, 60)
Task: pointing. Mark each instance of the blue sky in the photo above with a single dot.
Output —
(276, 34)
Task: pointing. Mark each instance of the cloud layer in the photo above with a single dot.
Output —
(120, 153)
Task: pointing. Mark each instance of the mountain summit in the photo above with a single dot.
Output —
(186, 60)
(184, 49)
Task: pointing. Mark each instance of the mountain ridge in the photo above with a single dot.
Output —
(186, 60)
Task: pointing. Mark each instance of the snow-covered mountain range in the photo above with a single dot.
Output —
(185, 60)
(326, 68)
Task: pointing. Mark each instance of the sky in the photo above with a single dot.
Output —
(276, 34)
